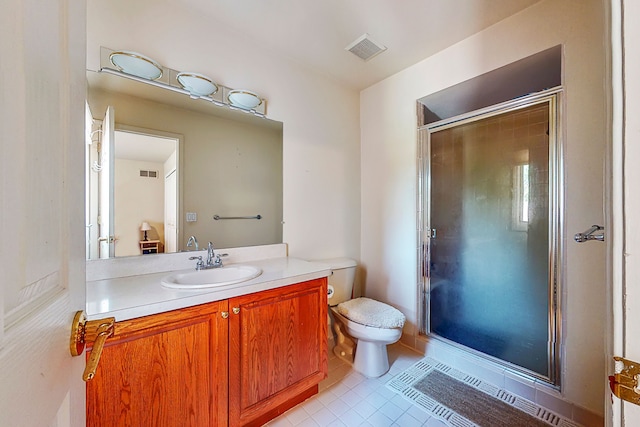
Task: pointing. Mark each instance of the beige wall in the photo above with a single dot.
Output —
(388, 145)
(321, 159)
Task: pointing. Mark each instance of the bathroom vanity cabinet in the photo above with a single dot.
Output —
(240, 361)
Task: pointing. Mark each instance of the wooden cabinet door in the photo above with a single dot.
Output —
(168, 369)
(277, 350)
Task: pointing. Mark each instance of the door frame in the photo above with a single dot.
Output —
(621, 202)
(554, 97)
(180, 170)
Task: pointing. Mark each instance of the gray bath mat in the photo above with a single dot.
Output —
(465, 401)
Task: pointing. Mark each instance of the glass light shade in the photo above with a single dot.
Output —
(244, 99)
(197, 84)
(136, 64)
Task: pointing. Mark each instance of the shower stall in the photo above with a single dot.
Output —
(490, 187)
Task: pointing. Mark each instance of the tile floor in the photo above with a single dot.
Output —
(347, 398)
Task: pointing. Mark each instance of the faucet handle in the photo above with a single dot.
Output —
(217, 262)
(200, 263)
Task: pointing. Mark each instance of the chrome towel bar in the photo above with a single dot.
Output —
(588, 235)
(217, 217)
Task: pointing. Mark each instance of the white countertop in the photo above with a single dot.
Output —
(141, 295)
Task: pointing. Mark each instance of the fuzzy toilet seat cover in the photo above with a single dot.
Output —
(371, 313)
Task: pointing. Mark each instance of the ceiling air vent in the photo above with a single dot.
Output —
(365, 48)
(149, 174)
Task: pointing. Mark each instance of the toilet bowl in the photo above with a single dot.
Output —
(362, 325)
(373, 330)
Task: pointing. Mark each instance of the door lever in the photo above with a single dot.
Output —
(84, 331)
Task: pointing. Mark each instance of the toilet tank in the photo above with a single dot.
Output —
(343, 274)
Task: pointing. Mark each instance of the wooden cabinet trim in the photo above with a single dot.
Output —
(127, 330)
(243, 410)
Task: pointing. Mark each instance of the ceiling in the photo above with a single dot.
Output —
(311, 33)
(314, 33)
(137, 146)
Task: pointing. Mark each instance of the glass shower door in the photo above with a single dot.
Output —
(491, 282)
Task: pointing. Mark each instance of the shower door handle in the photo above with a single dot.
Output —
(588, 234)
(432, 233)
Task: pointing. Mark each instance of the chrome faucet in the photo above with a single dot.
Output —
(210, 255)
(213, 260)
(192, 241)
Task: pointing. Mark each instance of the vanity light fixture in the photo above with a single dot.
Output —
(244, 110)
(143, 69)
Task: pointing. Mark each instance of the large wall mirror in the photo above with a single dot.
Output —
(160, 166)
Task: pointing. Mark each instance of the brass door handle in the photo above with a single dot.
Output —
(235, 310)
(624, 384)
(84, 331)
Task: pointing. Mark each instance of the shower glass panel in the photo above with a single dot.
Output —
(490, 260)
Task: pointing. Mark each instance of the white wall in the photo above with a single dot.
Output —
(137, 199)
(388, 176)
(321, 118)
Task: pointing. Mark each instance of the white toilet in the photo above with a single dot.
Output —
(372, 323)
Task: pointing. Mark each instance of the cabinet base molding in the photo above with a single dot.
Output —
(276, 412)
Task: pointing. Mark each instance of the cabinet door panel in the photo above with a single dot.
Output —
(277, 348)
(163, 370)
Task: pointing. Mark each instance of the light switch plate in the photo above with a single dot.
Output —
(192, 217)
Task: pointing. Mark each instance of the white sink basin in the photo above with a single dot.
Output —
(214, 277)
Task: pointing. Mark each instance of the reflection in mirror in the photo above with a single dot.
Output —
(175, 163)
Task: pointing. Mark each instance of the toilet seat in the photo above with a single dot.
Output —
(371, 313)
(369, 333)
(370, 357)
